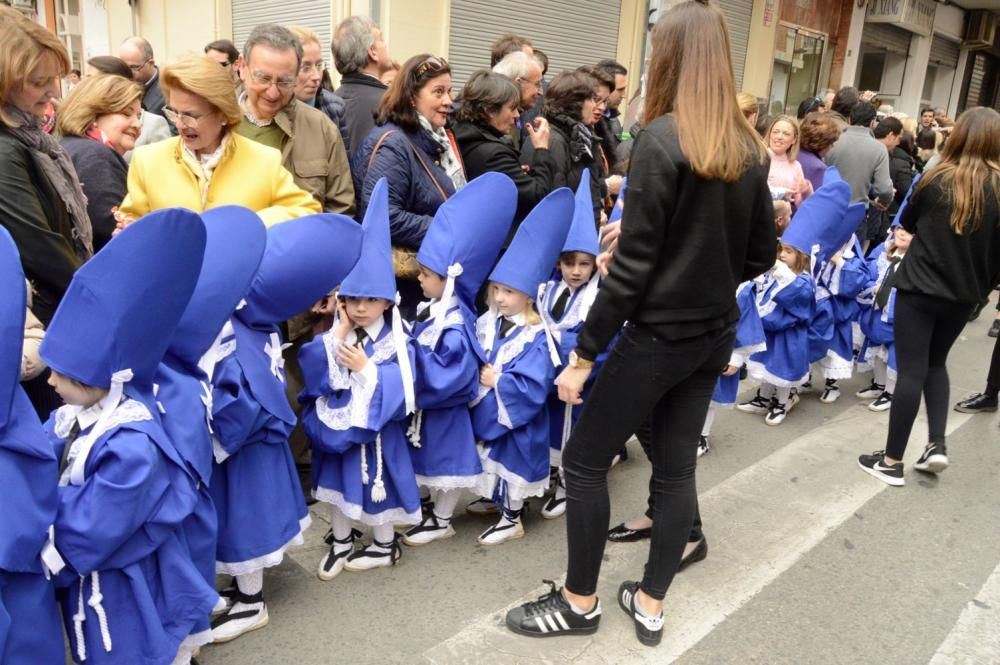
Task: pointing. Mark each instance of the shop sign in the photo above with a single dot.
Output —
(912, 15)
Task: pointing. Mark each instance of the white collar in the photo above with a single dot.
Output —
(519, 320)
(86, 418)
(436, 305)
(372, 330)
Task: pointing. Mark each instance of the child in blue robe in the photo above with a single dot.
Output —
(563, 305)
(358, 392)
(130, 592)
(455, 257)
(877, 302)
(30, 628)
(786, 300)
(235, 244)
(255, 485)
(509, 415)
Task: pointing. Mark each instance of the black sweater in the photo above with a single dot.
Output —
(940, 263)
(686, 244)
(104, 178)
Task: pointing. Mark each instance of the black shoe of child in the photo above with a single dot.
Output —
(552, 615)
(649, 630)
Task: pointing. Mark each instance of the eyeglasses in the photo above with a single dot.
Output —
(267, 81)
(600, 101)
(537, 85)
(431, 64)
(180, 118)
(308, 67)
(136, 68)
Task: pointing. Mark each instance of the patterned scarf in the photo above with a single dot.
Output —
(57, 167)
(449, 160)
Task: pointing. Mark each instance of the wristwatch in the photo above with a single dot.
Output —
(576, 362)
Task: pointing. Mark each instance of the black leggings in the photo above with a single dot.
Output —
(926, 329)
(645, 375)
(993, 377)
(645, 436)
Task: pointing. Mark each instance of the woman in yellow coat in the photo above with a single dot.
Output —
(207, 164)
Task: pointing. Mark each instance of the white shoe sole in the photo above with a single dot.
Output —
(934, 464)
(831, 398)
(514, 534)
(446, 534)
(868, 394)
(881, 408)
(262, 621)
(895, 482)
(337, 569)
(555, 514)
(746, 408)
(360, 569)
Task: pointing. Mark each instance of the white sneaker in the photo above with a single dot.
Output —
(883, 403)
(376, 555)
(703, 446)
(508, 528)
(776, 414)
(482, 507)
(872, 391)
(242, 618)
(431, 528)
(831, 393)
(555, 507)
(756, 405)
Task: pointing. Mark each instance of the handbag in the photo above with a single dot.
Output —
(404, 259)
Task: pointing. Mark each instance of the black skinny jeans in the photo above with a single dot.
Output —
(645, 436)
(927, 328)
(645, 375)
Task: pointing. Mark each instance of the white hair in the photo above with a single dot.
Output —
(517, 65)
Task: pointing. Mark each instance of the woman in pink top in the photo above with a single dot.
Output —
(786, 172)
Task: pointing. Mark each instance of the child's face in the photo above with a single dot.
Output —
(510, 301)
(363, 311)
(431, 283)
(576, 268)
(788, 255)
(75, 394)
(901, 238)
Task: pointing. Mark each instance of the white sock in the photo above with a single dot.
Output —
(766, 390)
(249, 584)
(341, 526)
(890, 385)
(447, 501)
(706, 429)
(880, 370)
(383, 533)
(574, 607)
(513, 505)
(782, 395)
(183, 656)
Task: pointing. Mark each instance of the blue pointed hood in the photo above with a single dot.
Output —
(616, 212)
(831, 175)
(582, 236)
(234, 246)
(373, 275)
(820, 219)
(12, 307)
(123, 305)
(469, 229)
(304, 259)
(536, 246)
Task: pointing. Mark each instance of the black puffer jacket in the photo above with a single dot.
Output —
(568, 172)
(901, 172)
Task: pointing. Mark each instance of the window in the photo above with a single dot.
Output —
(798, 58)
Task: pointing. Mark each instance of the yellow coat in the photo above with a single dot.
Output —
(248, 174)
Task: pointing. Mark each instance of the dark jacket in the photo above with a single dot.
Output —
(568, 172)
(940, 263)
(332, 105)
(413, 196)
(686, 244)
(153, 99)
(901, 172)
(483, 150)
(361, 94)
(32, 211)
(104, 177)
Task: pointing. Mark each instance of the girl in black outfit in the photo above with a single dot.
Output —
(952, 263)
(698, 221)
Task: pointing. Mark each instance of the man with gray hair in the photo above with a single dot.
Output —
(138, 55)
(361, 57)
(526, 72)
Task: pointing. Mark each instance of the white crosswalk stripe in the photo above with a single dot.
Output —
(975, 639)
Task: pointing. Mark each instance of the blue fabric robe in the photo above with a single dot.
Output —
(447, 379)
(255, 487)
(352, 420)
(120, 534)
(30, 626)
(511, 420)
(843, 282)
(750, 339)
(786, 303)
(877, 323)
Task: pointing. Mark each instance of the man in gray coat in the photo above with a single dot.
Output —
(361, 57)
(862, 161)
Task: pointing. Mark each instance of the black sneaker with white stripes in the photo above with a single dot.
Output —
(552, 615)
(649, 630)
(933, 460)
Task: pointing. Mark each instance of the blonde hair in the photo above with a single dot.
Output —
(23, 44)
(201, 76)
(802, 261)
(92, 98)
(747, 103)
(304, 35)
(531, 316)
(691, 77)
(793, 150)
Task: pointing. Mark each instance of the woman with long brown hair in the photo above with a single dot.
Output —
(951, 265)
(698, 220)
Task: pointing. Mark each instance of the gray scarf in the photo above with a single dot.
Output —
(57, 167)
(449, 160)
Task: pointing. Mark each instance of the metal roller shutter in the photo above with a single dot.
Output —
(571, 32)
(887, 37)
(974, 96)
(737, 14)
(944, 52)
(312, 14)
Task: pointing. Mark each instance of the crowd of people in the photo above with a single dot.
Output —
(226, 269)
